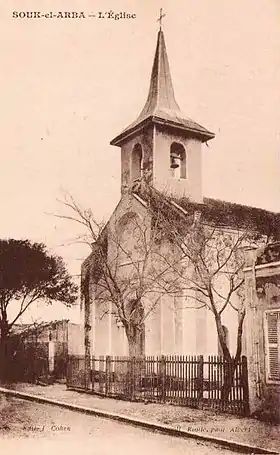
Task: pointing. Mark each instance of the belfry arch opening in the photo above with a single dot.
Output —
(178, 163)
(136, 162)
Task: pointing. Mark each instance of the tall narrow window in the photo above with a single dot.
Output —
(178, 160)
(136, 162)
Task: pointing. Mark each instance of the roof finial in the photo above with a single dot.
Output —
(161, 16)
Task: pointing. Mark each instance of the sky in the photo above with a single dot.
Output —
(68, 86)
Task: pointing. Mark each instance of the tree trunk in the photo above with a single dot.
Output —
(4, 356)
(135, 345)
(230, 363)
(4, 329)
(228, 370)
(133, 348)
(222, 337)
(135, 365)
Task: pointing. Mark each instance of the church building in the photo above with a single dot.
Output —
(160, 150)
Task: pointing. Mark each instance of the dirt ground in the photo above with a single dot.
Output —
(28, 427)
(224, 426)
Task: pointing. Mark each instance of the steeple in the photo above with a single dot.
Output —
(161, 106)
(163, 147)
(161, 92)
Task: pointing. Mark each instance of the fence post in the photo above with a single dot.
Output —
(132, 378)
(92, 375)
(101, 374)
(244, 382)
(87, 371)
(162, 377)
(108, 370)
(69, 371)
(127, 368)
(200, 378)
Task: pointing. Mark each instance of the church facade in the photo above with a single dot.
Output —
(161, 151)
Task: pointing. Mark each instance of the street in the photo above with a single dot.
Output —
(28, 427)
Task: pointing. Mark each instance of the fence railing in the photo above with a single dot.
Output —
(184, 380)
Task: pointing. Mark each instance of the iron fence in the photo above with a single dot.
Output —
(184, 380)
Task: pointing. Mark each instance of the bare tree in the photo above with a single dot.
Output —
(173, 252)
(120, 272)
(208, 269)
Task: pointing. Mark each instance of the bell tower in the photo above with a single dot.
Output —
(162, 146)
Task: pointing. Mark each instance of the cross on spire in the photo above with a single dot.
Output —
(161, 16)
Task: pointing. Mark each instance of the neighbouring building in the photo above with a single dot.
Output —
(53, 341)
(161, 151)
(262, 334)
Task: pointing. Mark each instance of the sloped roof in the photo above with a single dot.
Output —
(221, 213)
(161, 106)
(231, 214)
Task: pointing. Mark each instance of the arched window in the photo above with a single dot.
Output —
(129, 238)
(178, 161)
(136, 162)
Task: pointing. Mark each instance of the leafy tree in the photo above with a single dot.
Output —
(28, 274)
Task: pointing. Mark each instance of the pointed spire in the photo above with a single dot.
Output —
(161, 106)
(161, 92)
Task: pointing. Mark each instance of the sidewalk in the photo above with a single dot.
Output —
(206, 423)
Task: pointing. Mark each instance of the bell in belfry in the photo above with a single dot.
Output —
(175, 160)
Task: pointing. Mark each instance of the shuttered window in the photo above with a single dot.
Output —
(273, 345)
